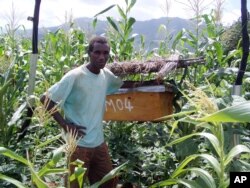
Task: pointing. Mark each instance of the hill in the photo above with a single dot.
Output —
(148, 28)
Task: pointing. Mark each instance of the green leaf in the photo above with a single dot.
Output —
(190, 42)
(162, 28)
(213, 162)
(208, 179)
(4, 88)
(184, 163)
(174, 125)
(183, 113)
(78, 175)
(122, 14)
(77, 162)
(236, 113)
(186, 183)
(110, 175)
(244, 164)
(192, 36)
(131, 5)
(105, 10)
(164, 183)
(178, 37)
(36, 179)
(213, 140)
(131, 21)
(57, 155)
(219, 51)
(133, 36)
(231, 54)
(55, 171)
(210, 26)
(234, 152)
(94, 22)
(11, 180)
(8, 153)
(18, 113)
(49, 141)
(112, 23)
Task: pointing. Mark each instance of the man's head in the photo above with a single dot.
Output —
(97, 39)
(98, 52)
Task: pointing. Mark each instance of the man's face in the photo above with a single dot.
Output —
(99, 55)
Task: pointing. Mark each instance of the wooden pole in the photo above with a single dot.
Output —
(237, 88)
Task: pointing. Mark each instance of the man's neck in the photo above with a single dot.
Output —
(93, 69)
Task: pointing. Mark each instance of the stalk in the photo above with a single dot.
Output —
(70, 137)
(220, 136)
(69, 172)
(3, 121)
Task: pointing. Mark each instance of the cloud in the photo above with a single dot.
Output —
(229, 17)
(15, 12)
(53, 12)
(57, 10)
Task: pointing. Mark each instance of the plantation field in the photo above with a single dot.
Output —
(205, 138)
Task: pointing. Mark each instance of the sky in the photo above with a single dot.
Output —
(55, 12)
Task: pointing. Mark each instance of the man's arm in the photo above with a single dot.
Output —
(51, 107)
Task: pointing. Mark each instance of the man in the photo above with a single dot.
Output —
(81, 93)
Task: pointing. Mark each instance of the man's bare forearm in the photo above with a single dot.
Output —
(51, 107)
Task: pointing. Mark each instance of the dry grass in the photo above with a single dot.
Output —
(71, 138)
(41, 113)
(201, 101)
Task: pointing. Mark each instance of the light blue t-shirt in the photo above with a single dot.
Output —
(82, 95)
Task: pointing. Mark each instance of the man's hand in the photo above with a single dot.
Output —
(79, 130)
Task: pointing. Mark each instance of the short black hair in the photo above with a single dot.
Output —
(98, 39)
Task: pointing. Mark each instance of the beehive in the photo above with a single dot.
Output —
(146, 103)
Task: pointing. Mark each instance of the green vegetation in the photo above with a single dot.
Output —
(192, 148)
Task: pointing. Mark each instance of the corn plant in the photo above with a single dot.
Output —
(60, 51)
(164, 47)
(216, 157)
(36, 176)
(46, 171)
(51, 168)
(208, 45)
(165, 32)
(13, 62)
(120, 32)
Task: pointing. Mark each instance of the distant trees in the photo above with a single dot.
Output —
(232, 36)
